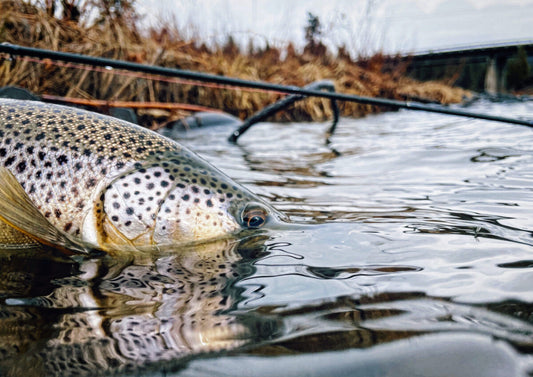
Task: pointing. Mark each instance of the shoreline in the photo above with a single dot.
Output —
(29, 25)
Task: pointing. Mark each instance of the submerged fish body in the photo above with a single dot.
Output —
(82, 180)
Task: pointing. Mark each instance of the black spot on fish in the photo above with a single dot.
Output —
(114, 218)
(3, 152)
(40, 136)
(185, 197)
(164, 183)
(57, 212)
(91, 183)
(107, 136)
(67, 227)
(9, 161)
(209, 203)
(62, 159)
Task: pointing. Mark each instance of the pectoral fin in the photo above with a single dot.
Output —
(18, 211)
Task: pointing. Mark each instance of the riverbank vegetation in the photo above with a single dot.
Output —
(112, 32)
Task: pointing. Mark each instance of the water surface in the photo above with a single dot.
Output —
(415, 258)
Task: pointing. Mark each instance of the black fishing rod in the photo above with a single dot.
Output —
(205, 77)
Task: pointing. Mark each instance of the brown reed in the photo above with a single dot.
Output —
(29, 25)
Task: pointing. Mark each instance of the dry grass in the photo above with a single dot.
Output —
(28, 25)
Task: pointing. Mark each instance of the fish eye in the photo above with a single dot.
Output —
(254, 217)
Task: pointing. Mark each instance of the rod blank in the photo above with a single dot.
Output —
(205, 77)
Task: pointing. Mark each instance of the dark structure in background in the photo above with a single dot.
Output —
(492, 69)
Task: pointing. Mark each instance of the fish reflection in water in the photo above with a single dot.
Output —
(65, 318)
(103, 316)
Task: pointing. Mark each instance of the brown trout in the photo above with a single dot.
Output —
(81, 181)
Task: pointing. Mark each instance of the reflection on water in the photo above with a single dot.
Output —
(106, 316)
(415, 257)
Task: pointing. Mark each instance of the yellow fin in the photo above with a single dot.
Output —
(18, 211)
(10, 238)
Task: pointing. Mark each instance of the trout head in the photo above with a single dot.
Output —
(172, 201)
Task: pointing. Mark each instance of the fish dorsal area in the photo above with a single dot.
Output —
(168, 199)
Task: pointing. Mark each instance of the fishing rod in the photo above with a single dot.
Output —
(15, 50)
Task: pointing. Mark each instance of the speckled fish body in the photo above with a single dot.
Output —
(105, 183)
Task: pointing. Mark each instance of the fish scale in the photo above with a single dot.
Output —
(104, 182)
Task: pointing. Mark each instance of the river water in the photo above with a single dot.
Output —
(411, 254)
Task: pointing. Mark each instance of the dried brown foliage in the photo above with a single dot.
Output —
(115, 36)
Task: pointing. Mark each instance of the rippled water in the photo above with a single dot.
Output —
(412, 254)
